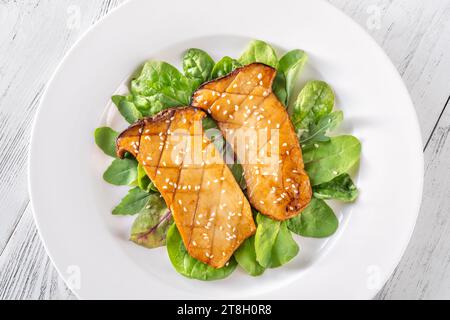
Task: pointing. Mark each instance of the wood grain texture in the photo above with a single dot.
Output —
(34, 36)
(28, 272)
(424, 272)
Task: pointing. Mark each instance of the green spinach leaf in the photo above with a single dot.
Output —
(132, 203)
(238, 173)
(143, 181)
(259, 51)
(190, 267)
(224, 66)
(197, 65)
(127, 108)
(209, 123)
(317, 132)
(317, 220)
(105, 138)
(290, 65)
(265, 237)
(314, 101)
(279, 88)
(340, 188)
(162, 86)
(121, 172)
(285, 248)
(274, 245)
(246, 257)
(151, 225)
(326, 160)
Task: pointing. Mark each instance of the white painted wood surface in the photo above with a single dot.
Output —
(35, 34)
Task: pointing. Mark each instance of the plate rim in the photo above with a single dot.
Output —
(113, 11)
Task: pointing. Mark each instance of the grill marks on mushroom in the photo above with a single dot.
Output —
(243, 104)
(210, 211)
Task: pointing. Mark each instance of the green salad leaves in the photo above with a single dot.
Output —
(121, 172)
(329, 159)
(190, 267)
(315, 101)
(223, 67)
(259, 51)
(152, 223)
(105, 138)
(316, 221)
(197, 65)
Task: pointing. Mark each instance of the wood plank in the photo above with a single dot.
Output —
(424, 272)
(26, 272)
(35, 37)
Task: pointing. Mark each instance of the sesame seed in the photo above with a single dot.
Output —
(259, 76)
(194, 243)
(250, 97)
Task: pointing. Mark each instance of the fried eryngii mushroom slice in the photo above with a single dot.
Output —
(263, 138)
(211, 213)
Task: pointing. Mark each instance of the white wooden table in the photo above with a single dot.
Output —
(34, 36)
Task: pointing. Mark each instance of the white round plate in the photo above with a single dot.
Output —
(72, 204)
